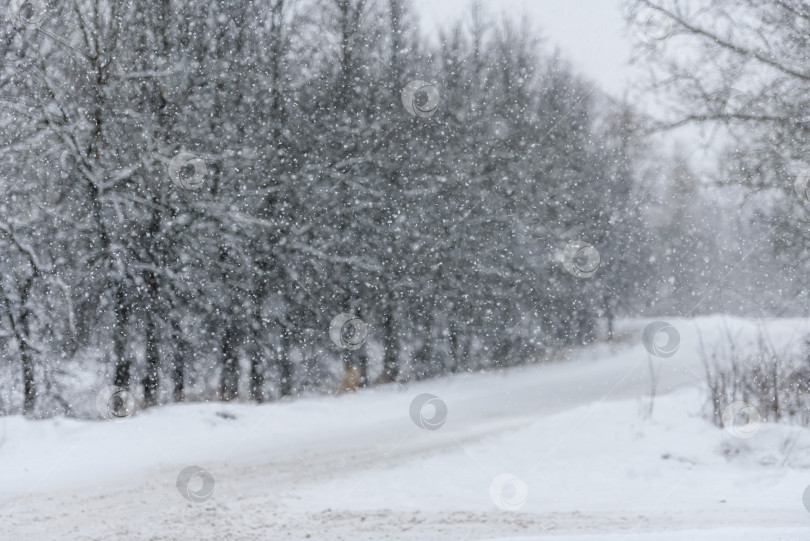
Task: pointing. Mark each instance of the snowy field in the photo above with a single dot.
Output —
(565, 450)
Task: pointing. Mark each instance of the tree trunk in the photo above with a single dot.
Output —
(277, 48)
(23, 337)
(29, 384)
(18, 329)
(397, 44)
(466, 351)
(425, 361)
(178, 363)
(362, 367)
(123, 365)
(424, 356)
(390, 343)
(362, 359)
(455, 346)
(257, 357)
(257, 374)
(151, 379)
(229, 381)
(285, 364)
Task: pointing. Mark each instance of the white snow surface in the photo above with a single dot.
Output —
(575, 433)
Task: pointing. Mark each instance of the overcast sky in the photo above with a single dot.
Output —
(591, 33)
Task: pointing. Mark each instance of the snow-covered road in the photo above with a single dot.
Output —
(584, 461)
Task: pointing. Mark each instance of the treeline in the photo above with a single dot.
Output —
(320, 194)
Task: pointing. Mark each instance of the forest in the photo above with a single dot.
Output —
(252, 199)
